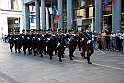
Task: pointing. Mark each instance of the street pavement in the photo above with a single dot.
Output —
(20, 68)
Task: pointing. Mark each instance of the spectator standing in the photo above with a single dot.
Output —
(98, 39)
(122, 37)
(107, 39)
(118, 40)
(113, 41)
(103, 44)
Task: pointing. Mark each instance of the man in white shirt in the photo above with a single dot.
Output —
(113, 41)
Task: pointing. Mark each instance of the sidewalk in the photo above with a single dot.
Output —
(19, 68)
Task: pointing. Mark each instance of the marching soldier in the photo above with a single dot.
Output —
(49, 42)
(71, 44)
(83, 44)
(16, 40)
(19, 42)
(23, 40)
(11, 40)
(88, 43)
(61, 44)
(35, 42)
(41, 42)
(78, 40)
(29, 41)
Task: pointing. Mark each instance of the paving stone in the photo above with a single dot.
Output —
(19, 68)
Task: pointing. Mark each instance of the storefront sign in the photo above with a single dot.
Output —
(79, 21)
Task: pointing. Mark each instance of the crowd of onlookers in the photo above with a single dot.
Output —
(106, 40)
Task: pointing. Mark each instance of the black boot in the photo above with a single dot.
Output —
(71, 58)
(89, 62)
(24, 52)
(50, 57)
(11, 50)
(60, 60)
(41, 55)
(15, 51)
(62, 56)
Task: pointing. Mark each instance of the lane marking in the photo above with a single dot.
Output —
(117, 68)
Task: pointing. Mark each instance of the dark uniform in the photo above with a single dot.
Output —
(29, 41)
(61, 45)
(11, 40)
(41, 43)
(88, 44)
(78, 40)
(49, 42)
(71, 44)
(16, 42)
(35, 42)
(83, 44)
(23, 41)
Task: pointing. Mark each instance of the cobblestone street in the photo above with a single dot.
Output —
(20, 68)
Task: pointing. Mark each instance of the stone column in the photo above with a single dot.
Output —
(60, 12)
(25, 16)
(116, 16)
(98, 15)
(37, 14)
(43, 15)
(69, 15)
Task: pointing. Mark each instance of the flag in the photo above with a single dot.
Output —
(55, 13)
(113, 1)
(106, 3)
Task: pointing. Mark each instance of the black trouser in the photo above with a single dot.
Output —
(79, 46)
(108, 43)
(11, 46)
(16, 47)
(24, 48)
(83, 50)
(35, 48)
(41, 48)
(118, 43)
(50, 51)
(19, 47)
(90, 51)
(71, 50)
(59, 53)
(29, 48)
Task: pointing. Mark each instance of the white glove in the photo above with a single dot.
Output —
(89, 41)
(74, 34)
(33, 37)
(22, 36)
(48, 38)
(68, 39)
(58, 44)
(28, 38)
(82, 39)
(38, 38)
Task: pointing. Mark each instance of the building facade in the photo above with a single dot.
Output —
(77, 14)
(10, 16)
